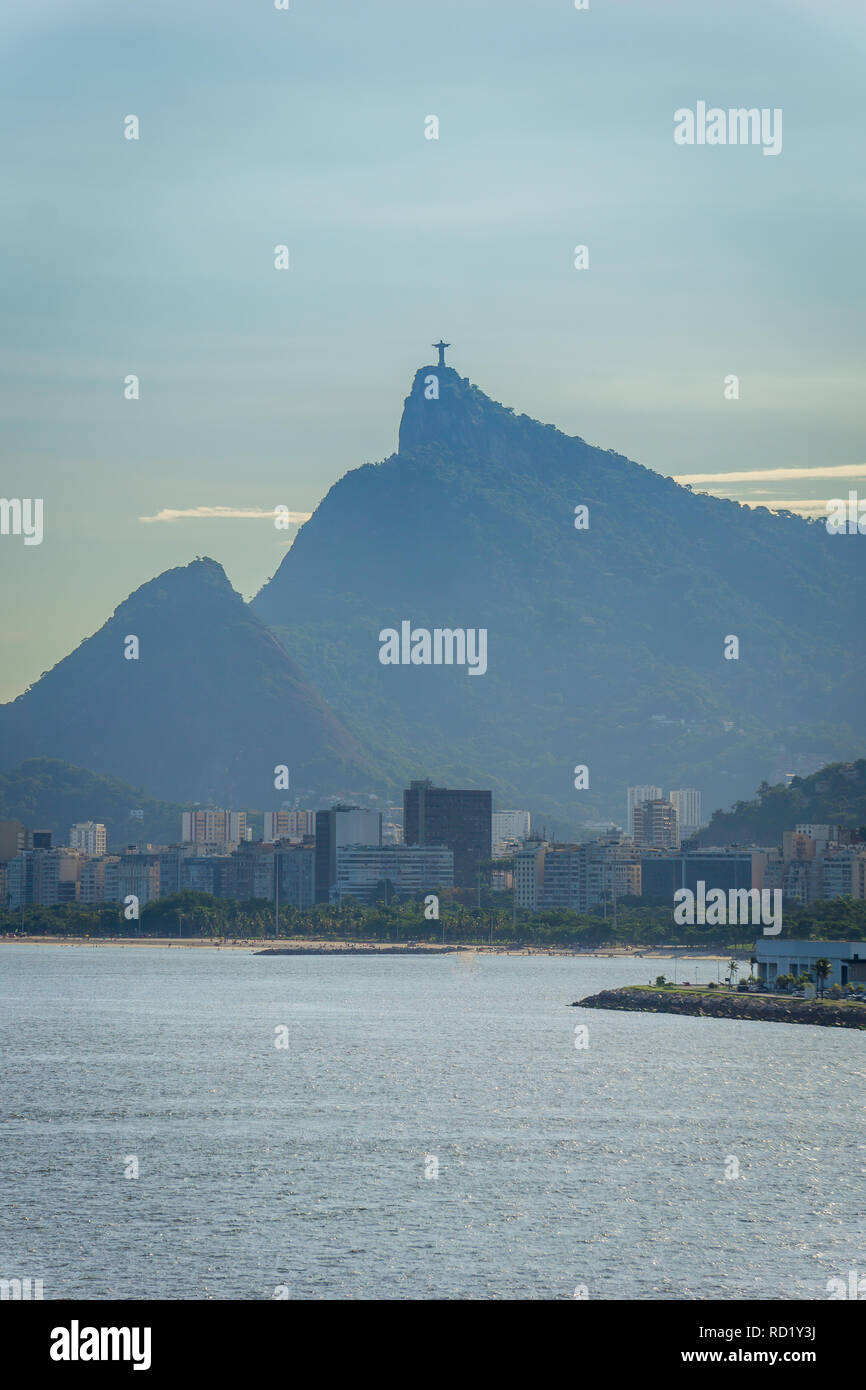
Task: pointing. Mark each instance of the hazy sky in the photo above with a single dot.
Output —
(306, 127)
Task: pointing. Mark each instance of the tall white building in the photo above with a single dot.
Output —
(214, 827)
(528, 874)
(688, 807)
(510, 825)
(635, 796)
(89, 836)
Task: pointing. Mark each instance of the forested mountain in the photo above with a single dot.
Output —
(605, 644)
(47, 794)
(834, 795)
(207, 710)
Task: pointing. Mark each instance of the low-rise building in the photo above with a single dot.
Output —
(776, 956)
(727, 867)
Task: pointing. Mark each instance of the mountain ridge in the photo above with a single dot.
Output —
(471, 523)
(605, 643)
(210, 707)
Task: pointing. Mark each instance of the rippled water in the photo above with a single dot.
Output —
(305, 1167)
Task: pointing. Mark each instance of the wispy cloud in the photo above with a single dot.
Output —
(230, 513)
(806, 506)
(847, 470)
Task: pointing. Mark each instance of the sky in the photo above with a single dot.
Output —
(260, 387)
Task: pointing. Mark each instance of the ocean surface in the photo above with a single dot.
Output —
(302, 1170)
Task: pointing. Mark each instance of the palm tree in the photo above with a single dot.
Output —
(733, 969)
(823, 968)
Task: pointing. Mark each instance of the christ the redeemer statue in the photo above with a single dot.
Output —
(441, 346)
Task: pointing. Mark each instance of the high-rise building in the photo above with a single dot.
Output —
(171, 861)
(206, 873)
(342, 825)
(509, 826)
(372, 874)
(132, 875)
(822, 835)
(13, 839)
(561, 878)
(635, 796)
(578, 877)
(249, 873)
(44, 876)
(92, 881)
(456, 820)
(288, 825)
(297, 874)
(818, 861)
(528, 874)
(609, 869)
(656, 825)
(843, 872)
(213, 827)
(687, 803)
(89, 836)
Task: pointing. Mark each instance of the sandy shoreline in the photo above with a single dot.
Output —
(308, 946)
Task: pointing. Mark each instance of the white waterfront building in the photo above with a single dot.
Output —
(777, 957)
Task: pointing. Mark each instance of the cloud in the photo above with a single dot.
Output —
(206, 513)
(804, 505)
(849, 470)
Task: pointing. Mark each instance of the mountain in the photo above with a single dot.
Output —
(210, 707)
(834, 795)
(605, 644)
(48, 794)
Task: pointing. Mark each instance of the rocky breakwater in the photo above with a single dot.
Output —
(709, 1004)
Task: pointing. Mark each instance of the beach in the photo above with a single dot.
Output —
(313, 946)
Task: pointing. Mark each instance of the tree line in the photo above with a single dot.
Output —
(195, 915)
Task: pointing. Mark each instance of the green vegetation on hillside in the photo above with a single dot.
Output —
(834, 795)
(49, 794)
